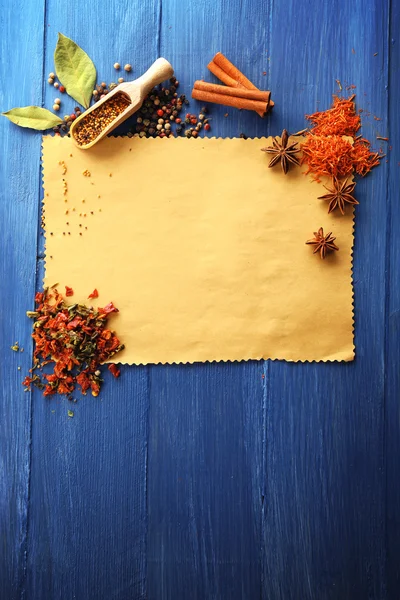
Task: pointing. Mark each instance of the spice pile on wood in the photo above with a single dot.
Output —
(74, 340)
(331, 148)
(327, 152)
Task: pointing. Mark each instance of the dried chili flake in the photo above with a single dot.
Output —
(74, 339)
(94, 294)
(69, 291)
(114, 370)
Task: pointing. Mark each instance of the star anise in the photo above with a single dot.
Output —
(339, 195)
(282, 153)
(323, 243)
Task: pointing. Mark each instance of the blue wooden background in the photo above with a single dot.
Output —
(258, 480)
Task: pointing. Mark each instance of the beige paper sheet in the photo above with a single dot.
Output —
(202, 248)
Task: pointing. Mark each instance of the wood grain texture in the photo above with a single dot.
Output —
(88, 492)
(205, 455)
(19, 177)
(392, 325)
(205, 437)
(325, 423)
(219, 481)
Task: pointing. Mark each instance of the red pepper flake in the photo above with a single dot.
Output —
(74, 340)
(114, 370)
(69, 291)
(94, 294)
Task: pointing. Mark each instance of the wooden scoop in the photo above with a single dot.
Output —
(134, 91)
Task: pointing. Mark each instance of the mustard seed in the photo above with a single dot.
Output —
(117, 66)
(120, 80)
(50, 80)
(128, 68)
(52, 75)
(56, 107)
(57, 101)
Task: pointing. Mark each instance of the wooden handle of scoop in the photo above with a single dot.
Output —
(159, 71)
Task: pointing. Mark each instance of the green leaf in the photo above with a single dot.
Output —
(33, 117)
(75, 70)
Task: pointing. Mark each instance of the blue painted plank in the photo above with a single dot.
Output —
(204, 500)
(206, 421)
(87, 527)
(264, 479)
(87, 532)
(392, 383)
(19, 182)
(325, 489)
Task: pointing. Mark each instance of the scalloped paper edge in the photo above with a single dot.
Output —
(215, 361)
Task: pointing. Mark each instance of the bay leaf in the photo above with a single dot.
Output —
(33, 117)
(75, 70)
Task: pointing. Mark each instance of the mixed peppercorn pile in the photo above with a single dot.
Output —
(72, 341)
(159, 116)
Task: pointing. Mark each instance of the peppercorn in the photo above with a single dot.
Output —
(62, 89)
(128, 67)
(195, 134)
(120, 79)
(160, 112)
(207, 126)
(117, 66)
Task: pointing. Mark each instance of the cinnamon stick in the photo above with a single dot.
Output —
(229, 68)
(224, 77)
(204, 86)
(226, 71)
(258, 106)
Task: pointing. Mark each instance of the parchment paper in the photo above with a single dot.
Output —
(202, 248)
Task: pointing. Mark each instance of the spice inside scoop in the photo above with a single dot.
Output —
(94, 123)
